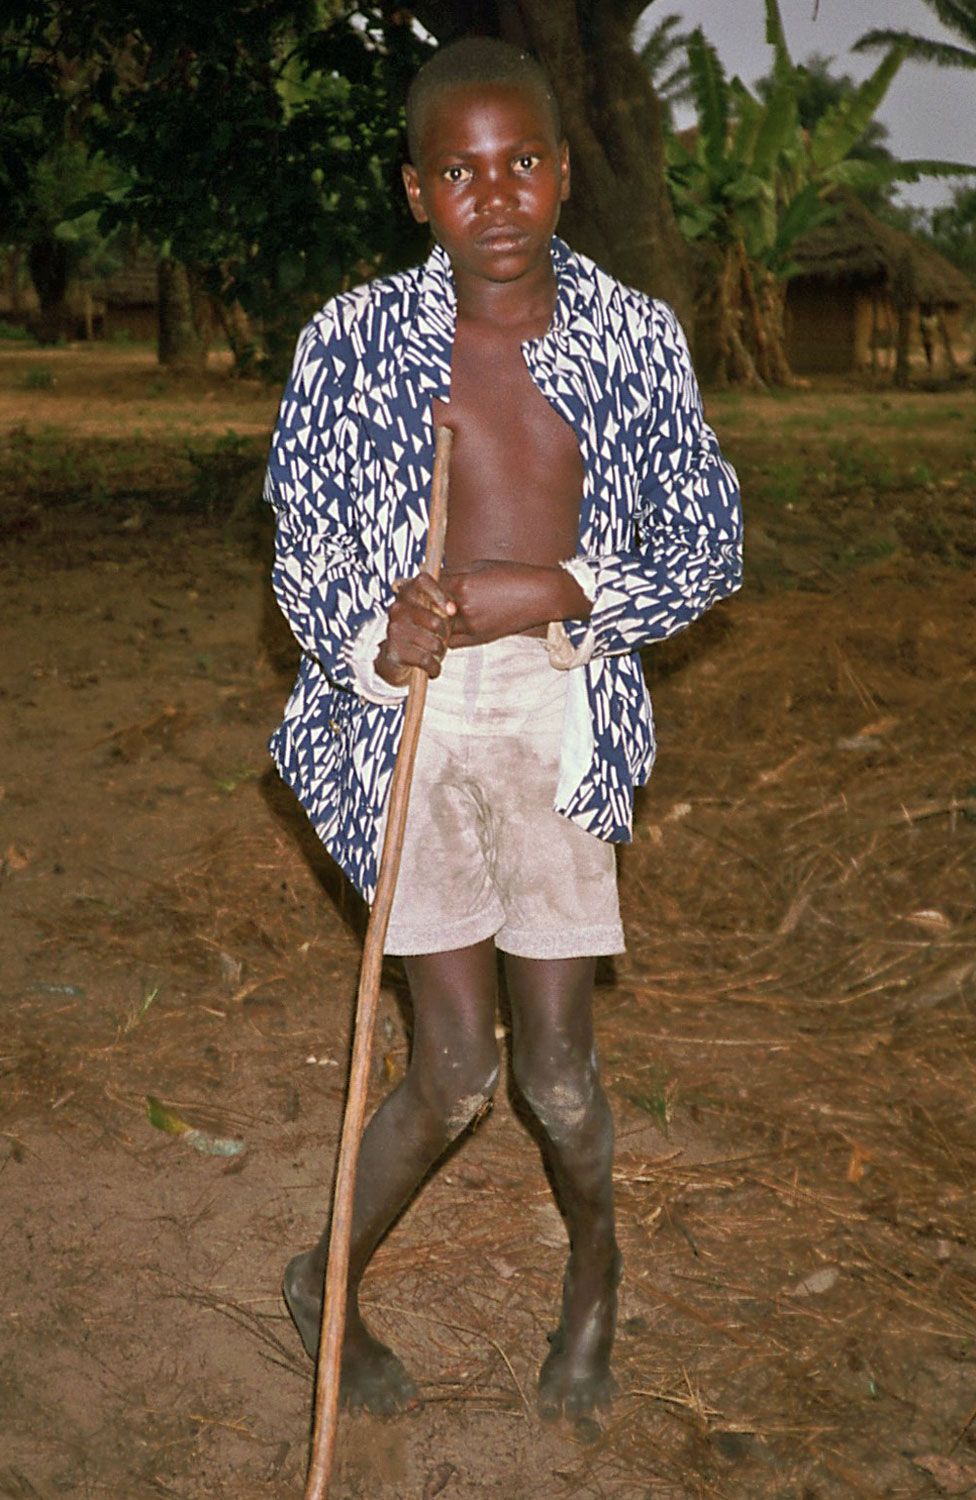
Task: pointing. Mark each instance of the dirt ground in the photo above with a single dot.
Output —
(788, 1044)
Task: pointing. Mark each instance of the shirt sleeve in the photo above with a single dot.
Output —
(688, 521)
(334, 601)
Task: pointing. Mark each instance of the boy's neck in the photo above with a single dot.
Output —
(529, 300)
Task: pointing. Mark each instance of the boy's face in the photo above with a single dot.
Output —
(490, 178)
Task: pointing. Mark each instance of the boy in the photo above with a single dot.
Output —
(590, 512)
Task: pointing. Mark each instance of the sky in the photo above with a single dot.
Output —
(929, 111)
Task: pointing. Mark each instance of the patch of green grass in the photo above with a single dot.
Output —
(861, 466)
(655, 1095)
(40, 378)
(226, 474)
(783, 485)
(231, 780)
(46, 463)
(868, 550)
(809, 421)
(16, 333)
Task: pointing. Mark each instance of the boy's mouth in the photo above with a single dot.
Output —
(502, 237)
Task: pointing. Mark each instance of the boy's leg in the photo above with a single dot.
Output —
(555, 1068)
(452, 1073)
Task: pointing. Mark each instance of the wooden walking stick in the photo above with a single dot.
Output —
(367, 998)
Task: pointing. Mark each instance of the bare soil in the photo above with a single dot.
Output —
(788, 1044)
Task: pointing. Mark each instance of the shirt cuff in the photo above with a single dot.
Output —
(581, 570)
(369, 684)
(562, 653)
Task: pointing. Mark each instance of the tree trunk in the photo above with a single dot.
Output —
(772, 300)
(16, 285)
(751, 309)
(740, 367)
(241, 337)
(950, 355)
(903, 296)
(47, 261)
(620, 212)
(180, 347)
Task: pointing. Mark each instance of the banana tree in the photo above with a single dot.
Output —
(752, 182)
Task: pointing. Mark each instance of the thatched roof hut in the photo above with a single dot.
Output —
(855, 273)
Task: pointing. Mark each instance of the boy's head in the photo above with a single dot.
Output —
(488, 170)
(474, 60)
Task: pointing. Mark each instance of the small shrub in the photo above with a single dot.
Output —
(16, 333)
(783, 485)
(38, 379)
(227, 477)
(921, 474)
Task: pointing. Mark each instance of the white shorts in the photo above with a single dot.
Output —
(484, 853)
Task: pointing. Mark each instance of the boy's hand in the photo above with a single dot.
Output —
(495, 598)
(418, 631)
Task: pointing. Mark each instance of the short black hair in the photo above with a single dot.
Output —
(474, 59)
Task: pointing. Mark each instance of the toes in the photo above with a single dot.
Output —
(577, 1403)
(549, 1406)
(385, 1390)
(565, 1396)
(590, 1396)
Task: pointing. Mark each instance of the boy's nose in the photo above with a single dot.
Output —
(497, 191)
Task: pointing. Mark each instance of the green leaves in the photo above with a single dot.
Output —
(711, 94)
(778, 125)
(958, 16)
(258, 141)
(755, 178)
(841, 127)
(776, 37)
(755, 182)
(861, 174)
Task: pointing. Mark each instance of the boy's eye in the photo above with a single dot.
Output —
(527, 162)
(457, 174)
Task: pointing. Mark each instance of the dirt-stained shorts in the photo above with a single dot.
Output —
(484, 853)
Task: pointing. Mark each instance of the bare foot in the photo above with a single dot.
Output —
(372, 1378)
(575, 1379)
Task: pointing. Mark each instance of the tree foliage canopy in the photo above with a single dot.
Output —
(958, 16)
(258, 142)
(255, 141)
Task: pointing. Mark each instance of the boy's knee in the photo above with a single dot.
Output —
(458, 1091)
(560, 1099)
(467, 1107)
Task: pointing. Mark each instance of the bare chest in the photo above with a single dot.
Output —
(516, 468)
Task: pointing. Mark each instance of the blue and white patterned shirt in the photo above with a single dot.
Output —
(349, 478)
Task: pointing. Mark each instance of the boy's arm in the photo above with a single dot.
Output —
(335, 602)
(688, 551)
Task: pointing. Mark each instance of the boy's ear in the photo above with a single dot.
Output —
(564, 170)
(411, 181)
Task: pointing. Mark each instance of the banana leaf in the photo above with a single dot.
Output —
(855, 174)
(711, 94)
(780, 124)
(837, 131)
(776, 37)
(749, 117)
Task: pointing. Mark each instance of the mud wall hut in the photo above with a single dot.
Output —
(861, 286)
